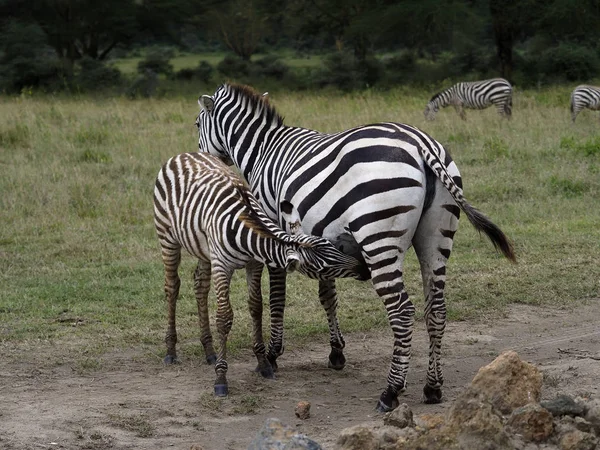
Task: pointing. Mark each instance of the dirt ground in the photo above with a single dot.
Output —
(135, 403)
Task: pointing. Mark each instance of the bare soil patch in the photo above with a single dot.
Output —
(134, 402)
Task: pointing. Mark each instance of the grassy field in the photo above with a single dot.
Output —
(80, 264)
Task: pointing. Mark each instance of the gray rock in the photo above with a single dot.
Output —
(593, 414)
(274, 435)
(563, 405)
(578, 440)
(400, 417)
(532, 422)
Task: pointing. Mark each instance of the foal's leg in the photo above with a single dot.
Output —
(221, 279)
(254, 271)
(171, 256)
(328, 298)
(277, 279)
(201, 289)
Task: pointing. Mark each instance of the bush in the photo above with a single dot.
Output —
(202, 72)
(270, 66)
(343, 71)
(234, 67)
(25, 58)
(566, 61)
(144, 86)
(157, 61)
(94, 74)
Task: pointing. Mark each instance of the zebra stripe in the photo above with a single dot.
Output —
(200, 205)
(474, 95)
(584, 97)
(388, 185)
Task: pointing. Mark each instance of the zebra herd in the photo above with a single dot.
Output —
(498, 92)
(348, 204)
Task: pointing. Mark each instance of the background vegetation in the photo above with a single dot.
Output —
(80, 263)
(150, 47)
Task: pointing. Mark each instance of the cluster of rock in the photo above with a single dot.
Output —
(499, 410)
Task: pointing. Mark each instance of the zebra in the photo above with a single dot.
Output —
(474, 95)
(584, 96)
(202, 206)
(387, 185)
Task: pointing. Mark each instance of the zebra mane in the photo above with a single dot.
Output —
(435, 96)
(257, 101)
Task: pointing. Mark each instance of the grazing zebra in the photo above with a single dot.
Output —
(584, 97)
(202, 206)
(388, 185)
(474, 95)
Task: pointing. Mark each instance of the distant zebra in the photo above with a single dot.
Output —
(388, 185)
(584, 97)
(473, 95)
(202, 206)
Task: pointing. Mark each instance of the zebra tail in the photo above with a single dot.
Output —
(496, 235)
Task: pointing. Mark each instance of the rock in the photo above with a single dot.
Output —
(358, 437)
(583, 425)
(563, 405)
(593, 414)
(302, 410)
(508, 382)
(476, 423)
(196, 447)
(274, 435)
(532, 422)
(400, 417)
(428, 421)
(577, 440)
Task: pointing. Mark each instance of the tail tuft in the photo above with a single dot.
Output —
(498, 238)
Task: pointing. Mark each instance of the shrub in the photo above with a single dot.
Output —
(94, 74)
(157, 61)
(343, 71)
(270, 66)
(571, 61)
(234, 67)
(25, 58)
(202, 72)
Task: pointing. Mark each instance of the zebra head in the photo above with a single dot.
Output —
(209, 140)
(432, 107)
(318, 257)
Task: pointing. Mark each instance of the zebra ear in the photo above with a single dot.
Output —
(291, 218)
(292, 262)
(206, 103)
(265, 95)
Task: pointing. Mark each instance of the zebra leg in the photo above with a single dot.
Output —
(460, 111)
(433, 244)
(171, 255)
(221, 279)
(254, 271)
(201, 288)
(328, 298)
(277, 306)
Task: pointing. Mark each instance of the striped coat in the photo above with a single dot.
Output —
(200, 205)
(584, 96)
(388, 185)
(473, 95)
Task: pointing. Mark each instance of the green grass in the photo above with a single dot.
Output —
(80, 263)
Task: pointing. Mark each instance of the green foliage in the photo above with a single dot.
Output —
(588, 148)
(234, 67)
(26, 60)
(571, 61)
(203, 72)
(566, 187)
(347, 73)
(95, 75)
(157, 61)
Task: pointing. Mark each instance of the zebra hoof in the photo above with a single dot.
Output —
(221, 390)
(265, 372)
(337, 360)
(431, 395)
(387, 402)
(211, 359)
(273, 363)
(171, 359)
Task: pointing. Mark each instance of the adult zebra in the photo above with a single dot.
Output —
(584, 96)
(200, 205)
(387, 184)
(474, 95)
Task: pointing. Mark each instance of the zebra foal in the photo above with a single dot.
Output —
(473, 95)
(201, 206)
(584, 96)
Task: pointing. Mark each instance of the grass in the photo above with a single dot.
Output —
(80, 263)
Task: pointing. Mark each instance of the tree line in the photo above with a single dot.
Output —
(527, 41)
